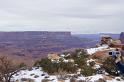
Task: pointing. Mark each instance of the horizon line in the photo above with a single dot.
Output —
(64, 31)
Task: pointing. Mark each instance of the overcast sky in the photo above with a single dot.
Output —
(78, 16)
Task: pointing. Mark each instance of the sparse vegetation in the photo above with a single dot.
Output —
(27, 80)
(45, 80)
(7, 69)
(61, 74)
(23, 79)
(88, 71)
(101, 80)
(36, 76)
(80, 58)
(110, 67)
(51, 68)
(22, 65)
(81, 81)
(73, 79)
(32, 74)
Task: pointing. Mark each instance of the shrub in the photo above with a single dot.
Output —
(27, 80)
(92, 63)
(32, 74)
(79, 53)
(61, 74)
(73, 79)
(69, 67)
(7, 69)
(24, 79)
(80, 59)
(101, 80)
(36, 76)
(31, 80)
(30, 69)
(46, 77)
(22, 65)
(42, 74)
(88, 71)
(118, 79)
(17, 80)
(44, 80)
(82, 81)
(110, 67)
(51, 68)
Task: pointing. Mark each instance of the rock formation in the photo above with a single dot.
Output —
(122, 37)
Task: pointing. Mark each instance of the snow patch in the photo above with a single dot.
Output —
(91, 51)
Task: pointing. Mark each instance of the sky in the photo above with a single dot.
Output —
(77, 16)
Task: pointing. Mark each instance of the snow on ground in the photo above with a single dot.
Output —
(97, 77)
(115, 80)
(32, 73)
(93, 50)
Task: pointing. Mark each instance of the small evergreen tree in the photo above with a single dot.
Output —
(51, 67)
(110, 67)
(88, 71)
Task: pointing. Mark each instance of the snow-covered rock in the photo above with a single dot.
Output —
(91, 51)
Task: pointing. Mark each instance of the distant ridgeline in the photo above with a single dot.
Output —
(38, 42)
(32, 34)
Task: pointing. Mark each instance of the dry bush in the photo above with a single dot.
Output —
(36, 76)
(73, 79)
(61, 74)
(7, 69)
(45, 80)
(101, 80)
(81, 81)
(27, 80)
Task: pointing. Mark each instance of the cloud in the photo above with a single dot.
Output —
(78, 16)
